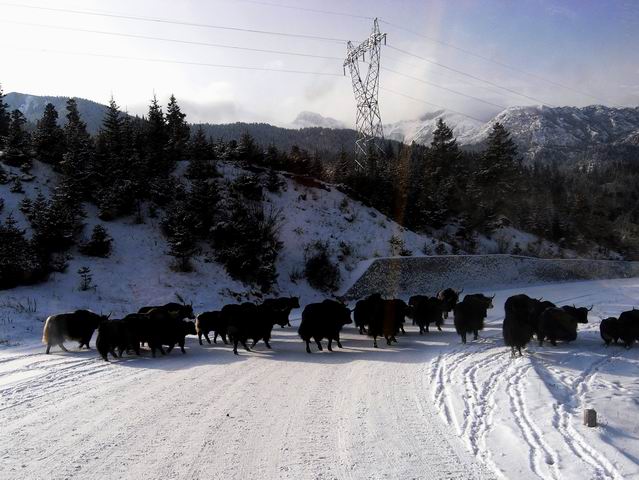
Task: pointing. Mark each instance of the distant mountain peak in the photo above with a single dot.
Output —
(308, 119)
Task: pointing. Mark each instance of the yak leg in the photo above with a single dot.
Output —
(206, 335)
(401, 329)
(388, 340)
(308, 346)
(199, 337)
(215, 338)
(463, 337)
(427, 327)
(445, 314)
(330, 344)
(61, 345)
(182, 346)
(245, 345)
(224, 339)
(235, 342)
(475, 334)
(339, 344)
(268, 345)
(319, 343)
(375, 341)
(48, 348)
(553, 342)
(170, 347)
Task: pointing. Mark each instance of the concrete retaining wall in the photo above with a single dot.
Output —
(404, 276)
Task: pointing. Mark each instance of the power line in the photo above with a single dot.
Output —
(179, 62)
(172, 40)
(306, 9)
(432, 104)
(426, 82)
(496, 62)
(174, 22)
(469, 75)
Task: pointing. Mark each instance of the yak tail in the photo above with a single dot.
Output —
(45, 332)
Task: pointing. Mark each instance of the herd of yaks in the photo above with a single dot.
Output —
(168, 325)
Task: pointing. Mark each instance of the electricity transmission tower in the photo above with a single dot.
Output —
(368, 121)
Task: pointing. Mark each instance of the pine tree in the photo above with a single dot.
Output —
(203, 202)
(248, 150)
(156, 141)
(344, 167)
(273, 157)
(200, 157)
(100, 243)
(440, 196)
(86, 279)
(17, 142)
(78, 156)
(48, 140)
(18, 262)
(180, 226)
(178, 131)
(5, 118)
(500, 171)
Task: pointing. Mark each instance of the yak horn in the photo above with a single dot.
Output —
(460, 292)
(591, 307)
(494, 295)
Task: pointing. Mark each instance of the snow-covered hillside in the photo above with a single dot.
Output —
(426, 408)
(139, 270)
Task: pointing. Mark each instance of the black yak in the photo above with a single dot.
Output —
(179, 311)
(323, 320)
(210, 322)
(115, 334)
(78, 325)
(520, 321)
(470, 314)
(427, 310)
(283, 303)
(387, 320)
(560, 324)
(610, 330)
(159, 328)
(629, 327)
(364, 311)
(449, 298)
(250, 321)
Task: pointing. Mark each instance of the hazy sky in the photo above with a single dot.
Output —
(588, 45)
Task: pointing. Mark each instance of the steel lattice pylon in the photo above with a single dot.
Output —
(368, 121)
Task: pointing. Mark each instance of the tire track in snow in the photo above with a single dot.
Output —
(542, 459)
(564, 414)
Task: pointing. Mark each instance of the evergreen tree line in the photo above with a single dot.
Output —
(129, 168)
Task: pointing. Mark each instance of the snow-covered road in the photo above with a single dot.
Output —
(426, 408)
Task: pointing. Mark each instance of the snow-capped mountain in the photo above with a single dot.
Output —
(559, 133)
(311, 119)
(421, 130)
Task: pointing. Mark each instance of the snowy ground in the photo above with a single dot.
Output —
(427, 408)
